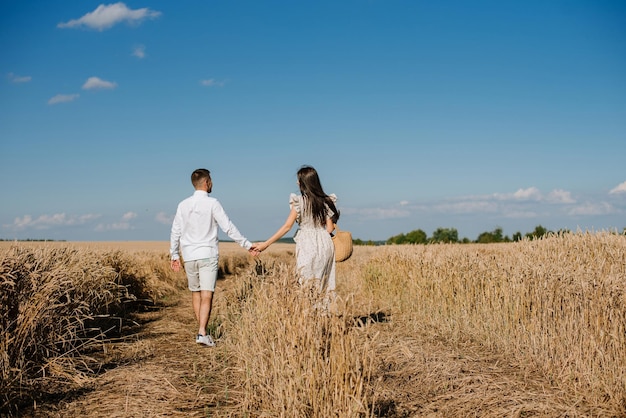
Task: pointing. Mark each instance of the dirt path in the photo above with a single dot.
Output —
(164, 373)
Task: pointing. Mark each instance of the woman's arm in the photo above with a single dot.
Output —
(291, 219)
(330, 226)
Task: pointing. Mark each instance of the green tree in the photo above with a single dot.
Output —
(417, 237)
(445, 235)
(414, 237)
(397, 239)
(493, 236)
(539, 232)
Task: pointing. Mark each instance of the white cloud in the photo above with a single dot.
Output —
(19, 79)
(520, 214)
(49, 221)
(620, 188)
(593, 208)
(404, 202)
(522, 204)
(115, 226)
(376, 213)
(139, 51)
(20, 223)
(532, 193)
(98, 83)
(163, 218)
(560, 196)
(467, 207)
(129, 215)
(63, 98)
(211, 82)
(106, 16)
(122, 225)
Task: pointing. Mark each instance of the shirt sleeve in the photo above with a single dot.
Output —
(228, 227)
(329, 211)
(294, 203)
(175, 235)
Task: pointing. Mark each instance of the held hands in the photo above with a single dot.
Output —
(257, 248)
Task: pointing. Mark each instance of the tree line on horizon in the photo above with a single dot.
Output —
(417, 236)
(451, 235)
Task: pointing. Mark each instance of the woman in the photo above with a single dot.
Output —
(316, 213)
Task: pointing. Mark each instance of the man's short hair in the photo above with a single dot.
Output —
(200, 175)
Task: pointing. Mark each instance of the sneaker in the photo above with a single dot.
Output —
(205, 340)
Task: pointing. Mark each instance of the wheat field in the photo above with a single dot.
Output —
(532, 328)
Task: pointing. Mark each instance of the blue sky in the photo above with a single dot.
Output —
(418, 114)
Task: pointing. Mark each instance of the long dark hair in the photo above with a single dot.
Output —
(314, 196)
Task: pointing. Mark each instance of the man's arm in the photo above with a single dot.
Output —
(228, 227)
(175, 241)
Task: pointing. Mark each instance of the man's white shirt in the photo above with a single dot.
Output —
(195, 228)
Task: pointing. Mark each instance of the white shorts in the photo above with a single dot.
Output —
(202, 274)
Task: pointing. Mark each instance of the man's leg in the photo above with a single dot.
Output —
(193, 279)
(195, 302)
(208, 269)
(204, 311)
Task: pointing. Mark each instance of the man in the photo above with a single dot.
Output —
(194, 234)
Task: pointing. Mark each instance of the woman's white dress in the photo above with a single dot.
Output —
(315, 252)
